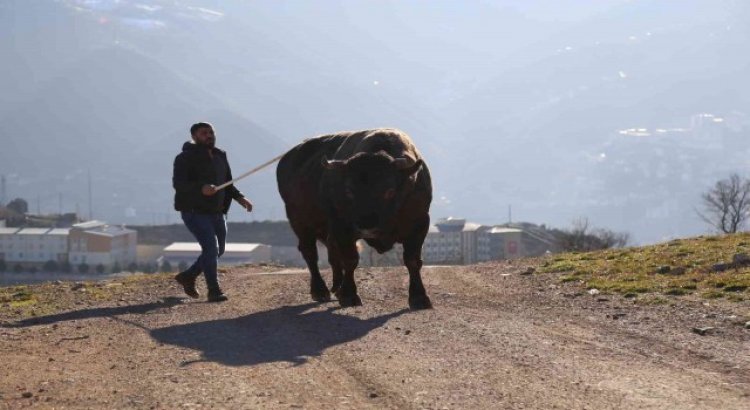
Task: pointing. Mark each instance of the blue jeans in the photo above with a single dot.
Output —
(211, 232)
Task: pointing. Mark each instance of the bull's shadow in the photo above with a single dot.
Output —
(285, 334)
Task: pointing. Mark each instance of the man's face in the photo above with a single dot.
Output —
(205, 136)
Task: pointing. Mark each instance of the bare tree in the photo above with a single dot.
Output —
(580, 237)
(727, 204)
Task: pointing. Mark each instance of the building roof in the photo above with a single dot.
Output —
(33, 231)
(59, 231)
(500, 229)
(89, 225)
(455, 225)
(109, 230)
(195, 247)
(8, 231)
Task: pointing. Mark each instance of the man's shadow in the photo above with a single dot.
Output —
(285, 334)
(164, 303)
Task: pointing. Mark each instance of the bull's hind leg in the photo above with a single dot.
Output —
(318, 289)
(418, 298)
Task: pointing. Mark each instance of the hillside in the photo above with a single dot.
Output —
(500, 336)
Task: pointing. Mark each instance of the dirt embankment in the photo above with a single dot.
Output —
(497, 338)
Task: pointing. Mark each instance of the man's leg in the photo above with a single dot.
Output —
(202, 226)
(187, 278)
(220, 230)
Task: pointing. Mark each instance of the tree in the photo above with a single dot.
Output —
(100, 269)
(582, 238)
(726, 206)
(18, 268)
(133, 267)
(3, 266)
(83, 268)
(18, 205)
(166, 266)
(51, 266)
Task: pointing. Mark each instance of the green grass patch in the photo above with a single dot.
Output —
(675, 268)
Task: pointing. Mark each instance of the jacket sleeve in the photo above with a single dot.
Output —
(232, 191)
(180, 177)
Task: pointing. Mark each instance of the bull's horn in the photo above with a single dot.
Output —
(404, 162)
(333, 163)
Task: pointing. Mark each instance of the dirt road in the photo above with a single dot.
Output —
(496, 339)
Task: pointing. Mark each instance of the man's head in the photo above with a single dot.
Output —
(203, 134)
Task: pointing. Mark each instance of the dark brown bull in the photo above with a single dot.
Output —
(371, 185)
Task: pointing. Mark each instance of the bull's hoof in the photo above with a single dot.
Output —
(420, 302)
(335, 288)
(321, 296)
(349, 301)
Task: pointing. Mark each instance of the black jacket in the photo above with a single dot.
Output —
(194, 168)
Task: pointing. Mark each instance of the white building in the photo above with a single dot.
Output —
(234, 253)
(33, 245)
(505, 243)
(456, 241)
(96, 243)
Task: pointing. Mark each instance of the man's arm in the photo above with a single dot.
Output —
(180, 176)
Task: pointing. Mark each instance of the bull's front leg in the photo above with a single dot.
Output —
(345, 247)
(418, 298)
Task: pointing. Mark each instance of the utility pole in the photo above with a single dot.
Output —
(38, 205)
(91, 206)
(510, 219)
(3, 193)
(59, 203)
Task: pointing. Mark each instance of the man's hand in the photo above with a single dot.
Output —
(246, 204)
(208, 190)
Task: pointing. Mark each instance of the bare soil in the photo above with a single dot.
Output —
(496, 339)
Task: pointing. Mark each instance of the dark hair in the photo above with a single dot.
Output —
(198, 125)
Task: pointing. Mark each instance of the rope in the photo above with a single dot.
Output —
(248, 173)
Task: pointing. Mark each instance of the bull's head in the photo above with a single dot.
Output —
(375, 186)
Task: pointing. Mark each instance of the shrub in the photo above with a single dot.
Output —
(100, 268)
(166, 266)
(51, 266)
(83, 268)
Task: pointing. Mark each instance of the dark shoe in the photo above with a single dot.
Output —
(188, 284)
(217, 297)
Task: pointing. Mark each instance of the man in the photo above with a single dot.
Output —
(198, 169)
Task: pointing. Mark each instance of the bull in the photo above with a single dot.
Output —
(370, 184)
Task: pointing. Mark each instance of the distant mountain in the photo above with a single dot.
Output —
(512, 103)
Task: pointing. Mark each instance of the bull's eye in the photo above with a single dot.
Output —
(389, 194)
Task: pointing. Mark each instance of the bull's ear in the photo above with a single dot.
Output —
(333, 163)
(408, 165)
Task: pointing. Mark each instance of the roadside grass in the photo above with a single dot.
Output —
(675, 268)
(50, 298)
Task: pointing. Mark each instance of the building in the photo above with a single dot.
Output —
(506, 243)
(33, 246)
(234, 253)
(456, 241)
(96, 243)
(291, 256)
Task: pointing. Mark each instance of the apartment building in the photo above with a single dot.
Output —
(33, 246)
(456, 241)
(97, 243)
